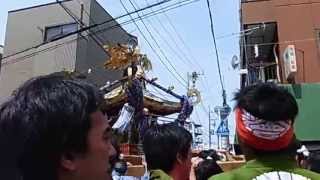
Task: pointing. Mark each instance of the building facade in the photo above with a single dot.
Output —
(268, 28)
(39, 41)
(280, 42)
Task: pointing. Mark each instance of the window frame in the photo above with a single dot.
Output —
(45, 38)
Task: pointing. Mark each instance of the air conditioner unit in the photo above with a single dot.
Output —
(290, 61)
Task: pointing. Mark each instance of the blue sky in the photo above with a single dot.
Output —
(193, 25)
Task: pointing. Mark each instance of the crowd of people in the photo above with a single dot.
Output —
(53, 128)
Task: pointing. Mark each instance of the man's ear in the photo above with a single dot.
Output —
(180, 158)
(68, 162)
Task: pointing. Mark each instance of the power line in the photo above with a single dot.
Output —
(98, 41)
(282, 42)
(181, 40)
(93, 26)
(64, 43)
(187, 48)
(215, 45)
(152, 48)
(162, 10)
(172, 39)
(113, 19)
(167, 8)
(165, 39)
(155, 41)
(12, 61)
(91, 19)
(175, 52)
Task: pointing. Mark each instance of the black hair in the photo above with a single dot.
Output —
(212, 154)
(162, 144)
(271, 103)
(206, 169)
(209, 166)
(45, 118)
(267, 101)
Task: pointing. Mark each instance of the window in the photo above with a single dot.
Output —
(55, 32)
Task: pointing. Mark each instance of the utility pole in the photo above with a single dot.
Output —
(192, 77)
(212, 125)
(197, 134)
(194, 94)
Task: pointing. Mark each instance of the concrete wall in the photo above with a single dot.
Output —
(26, 28)
(46, 59)
(297, 23)
(263, 12)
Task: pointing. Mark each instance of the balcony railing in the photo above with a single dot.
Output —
(263, 74)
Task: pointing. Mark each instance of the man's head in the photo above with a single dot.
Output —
(168, 147)
(208, 166)
(54, 129)
(265, 114)
(209, 154)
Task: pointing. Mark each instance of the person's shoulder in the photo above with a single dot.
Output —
(238, 174)
(159, 174)
(307, 173)
(230, 175)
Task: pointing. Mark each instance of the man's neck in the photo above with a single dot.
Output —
(64, 176)
(176, 175)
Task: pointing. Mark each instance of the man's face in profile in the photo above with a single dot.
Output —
(94, 163)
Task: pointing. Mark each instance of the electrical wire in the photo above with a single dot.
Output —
(12, 61)
(282, 42)
(206, 86)
(157, 44)
(172, 38)
(215, 45)
(163, 39)
(94, 22)
(181, 53)
(97, 40)
(187, 48)
(152, 48)
(203, 80)
(94, 25)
